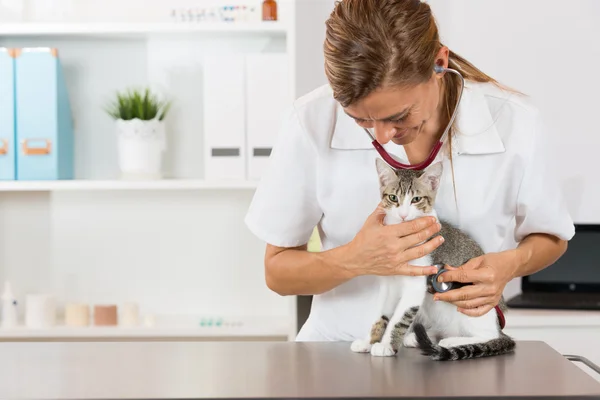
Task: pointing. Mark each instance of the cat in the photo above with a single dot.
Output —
(406, 313)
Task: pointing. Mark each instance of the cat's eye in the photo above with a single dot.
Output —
(416, 199)
(393, 198)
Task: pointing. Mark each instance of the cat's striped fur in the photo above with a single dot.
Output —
(402, 327)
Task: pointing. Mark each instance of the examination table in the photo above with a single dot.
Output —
(278, 370)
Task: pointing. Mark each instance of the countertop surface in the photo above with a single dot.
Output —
(277, 370)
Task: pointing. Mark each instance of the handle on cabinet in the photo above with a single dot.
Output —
(583, 360)
(36, 151)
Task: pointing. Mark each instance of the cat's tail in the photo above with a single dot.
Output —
(503, 344)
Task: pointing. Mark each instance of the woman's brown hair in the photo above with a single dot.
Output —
(374, 43)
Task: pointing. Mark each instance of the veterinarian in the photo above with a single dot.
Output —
(380, 57)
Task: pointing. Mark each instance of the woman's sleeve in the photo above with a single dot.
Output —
(284, 209)
(541, 207)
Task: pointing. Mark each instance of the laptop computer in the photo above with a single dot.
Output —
(572, 283)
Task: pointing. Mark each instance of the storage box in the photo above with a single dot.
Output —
(224, 117)
(7, 115)
(43, 117)
(267, 97)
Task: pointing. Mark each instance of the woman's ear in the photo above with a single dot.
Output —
(442, 58)
(387, 175)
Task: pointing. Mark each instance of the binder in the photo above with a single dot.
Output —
(7, 114)
(43, 117)
(267, 96)
(224, 117)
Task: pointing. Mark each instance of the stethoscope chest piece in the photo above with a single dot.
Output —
(434, 286)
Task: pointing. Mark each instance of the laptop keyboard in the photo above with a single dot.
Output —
(562, 301)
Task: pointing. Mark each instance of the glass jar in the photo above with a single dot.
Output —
(269, 10)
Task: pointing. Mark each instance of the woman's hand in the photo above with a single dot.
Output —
(489, 274)
(380, 249)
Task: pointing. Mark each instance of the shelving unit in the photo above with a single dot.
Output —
(177, 245)
(140, 30)
(170, 328)
(123, 185)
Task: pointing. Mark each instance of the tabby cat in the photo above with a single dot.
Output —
(406, 313)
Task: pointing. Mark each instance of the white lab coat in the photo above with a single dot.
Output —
(322, 173)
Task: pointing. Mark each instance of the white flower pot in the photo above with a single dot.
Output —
(140, 146)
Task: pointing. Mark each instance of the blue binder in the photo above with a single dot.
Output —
(7, 115)
(43, 117)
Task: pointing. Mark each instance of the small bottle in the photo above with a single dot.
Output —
(269, 10)
(9, 307)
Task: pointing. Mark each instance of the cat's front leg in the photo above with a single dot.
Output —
(403, 317)
(375, 336)
(379, 326)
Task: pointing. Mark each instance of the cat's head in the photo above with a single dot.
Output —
(408, 194)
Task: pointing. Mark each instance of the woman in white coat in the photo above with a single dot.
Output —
(379, 60)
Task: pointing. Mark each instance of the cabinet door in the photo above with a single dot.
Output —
(581, 341)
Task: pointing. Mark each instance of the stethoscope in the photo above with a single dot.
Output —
(434, 152)
(441, 287)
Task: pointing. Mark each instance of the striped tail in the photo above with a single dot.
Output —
(504, 344)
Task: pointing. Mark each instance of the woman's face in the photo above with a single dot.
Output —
(399, 114)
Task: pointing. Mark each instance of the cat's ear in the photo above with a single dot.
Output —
(432, 176)
(387, 175)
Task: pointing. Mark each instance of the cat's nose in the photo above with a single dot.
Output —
(403, 216)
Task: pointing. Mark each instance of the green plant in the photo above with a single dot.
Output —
(134, 103)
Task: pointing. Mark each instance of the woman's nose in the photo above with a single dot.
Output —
(384, 132)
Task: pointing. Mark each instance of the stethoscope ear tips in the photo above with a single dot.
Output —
(438, 69)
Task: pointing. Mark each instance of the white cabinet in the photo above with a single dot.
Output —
(568, 332)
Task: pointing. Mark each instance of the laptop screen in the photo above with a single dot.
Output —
(580, 264)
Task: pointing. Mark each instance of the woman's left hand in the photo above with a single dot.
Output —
(488, 274)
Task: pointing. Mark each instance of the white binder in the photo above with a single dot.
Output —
(267, 97)
(224, 117)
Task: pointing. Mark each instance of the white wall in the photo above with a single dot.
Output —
(547, 49)
(309, 46)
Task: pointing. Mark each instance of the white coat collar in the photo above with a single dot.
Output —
(476, 131)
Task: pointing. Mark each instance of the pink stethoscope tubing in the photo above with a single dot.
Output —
(436, 149)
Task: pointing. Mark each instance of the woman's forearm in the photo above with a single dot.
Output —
(299, 272)
(538, 251)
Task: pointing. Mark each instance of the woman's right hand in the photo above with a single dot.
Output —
(379, 249)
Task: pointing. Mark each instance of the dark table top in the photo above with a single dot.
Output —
(225, 370)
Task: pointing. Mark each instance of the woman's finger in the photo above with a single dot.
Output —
(474, 303)
(423, 249)
(414, 270)
(411, 227)
(464, 293)
(419, 237)
(464, 275)
(477, 312)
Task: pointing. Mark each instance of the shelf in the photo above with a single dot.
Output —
(259, 328)
(88, 185)
(139, 29)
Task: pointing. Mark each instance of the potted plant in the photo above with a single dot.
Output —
(141, 136)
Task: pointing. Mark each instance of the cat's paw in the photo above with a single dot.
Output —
(410, 340)
(360, 346)
(382, 350)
